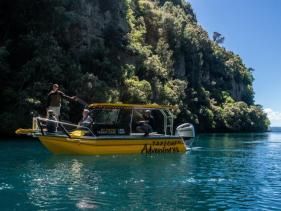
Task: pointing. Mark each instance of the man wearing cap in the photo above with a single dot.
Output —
(146, 126)
(149, 118)
(54, 99)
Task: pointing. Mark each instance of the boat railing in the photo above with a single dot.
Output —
(49, 127)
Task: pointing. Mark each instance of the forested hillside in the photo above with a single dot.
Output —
(134, 51)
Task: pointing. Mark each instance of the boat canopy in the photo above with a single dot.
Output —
(131, 113)
(127, 106)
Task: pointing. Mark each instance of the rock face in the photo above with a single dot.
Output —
(180, 65)
(135, 51)
(92, 19)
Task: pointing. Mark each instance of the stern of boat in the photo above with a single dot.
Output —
(187, 132)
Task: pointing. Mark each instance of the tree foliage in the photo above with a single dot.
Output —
(137, 51)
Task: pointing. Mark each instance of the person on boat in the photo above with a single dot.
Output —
(149, 118)
(54, 100)
(147, 124)
(86, 120)
(52, 125)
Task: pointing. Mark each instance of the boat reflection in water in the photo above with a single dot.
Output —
(117, 129)
(90, 182)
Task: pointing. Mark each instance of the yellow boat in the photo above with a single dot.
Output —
(116, 129)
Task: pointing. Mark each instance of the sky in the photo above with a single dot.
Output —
(252, 29)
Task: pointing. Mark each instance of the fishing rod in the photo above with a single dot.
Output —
(81, 101)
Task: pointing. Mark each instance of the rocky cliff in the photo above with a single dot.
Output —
(136, 51)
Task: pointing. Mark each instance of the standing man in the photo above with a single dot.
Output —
(54, 100)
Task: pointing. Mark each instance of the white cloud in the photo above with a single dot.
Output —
(273, 116)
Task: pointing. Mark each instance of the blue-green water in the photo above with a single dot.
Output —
(241, 171)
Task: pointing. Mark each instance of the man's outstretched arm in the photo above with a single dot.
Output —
(67, 97)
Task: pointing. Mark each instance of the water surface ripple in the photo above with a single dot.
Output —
(223, 171)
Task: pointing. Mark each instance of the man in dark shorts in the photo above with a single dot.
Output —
(54, 100)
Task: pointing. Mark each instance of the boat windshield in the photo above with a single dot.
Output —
(111, 121)
(105, 116)
(125, 121)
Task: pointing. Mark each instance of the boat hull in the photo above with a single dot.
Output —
(102, 146)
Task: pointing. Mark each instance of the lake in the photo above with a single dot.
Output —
(222, 171)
